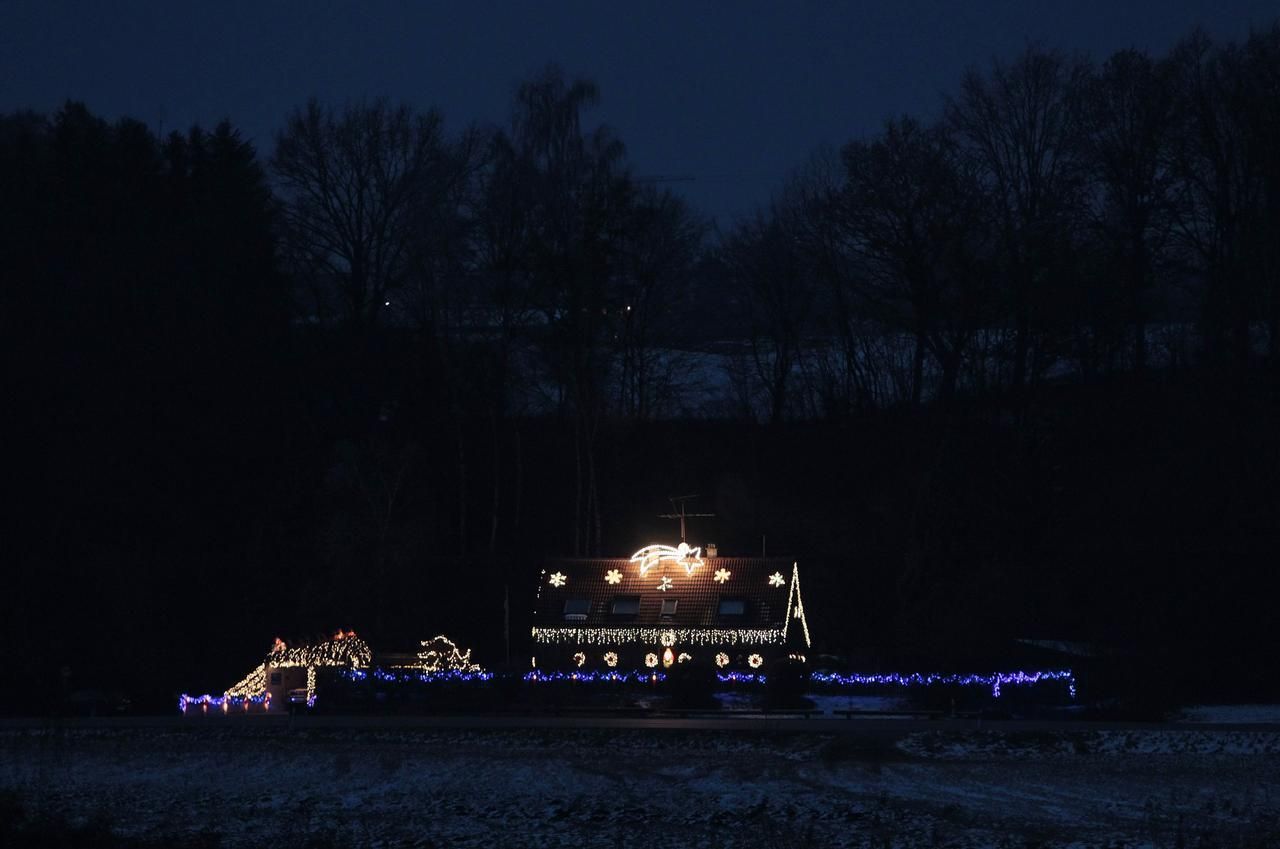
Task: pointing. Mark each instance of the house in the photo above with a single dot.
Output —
(667, 605)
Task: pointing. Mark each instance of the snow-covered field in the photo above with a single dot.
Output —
(241, 784)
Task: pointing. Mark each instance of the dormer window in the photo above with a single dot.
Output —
(733, 607)
(669, 607)
(576, 609)
(625, 605)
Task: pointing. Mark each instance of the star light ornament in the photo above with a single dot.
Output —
(722, 575)
(557, 579)
(658, 555)
(613, 576)
(776, 579)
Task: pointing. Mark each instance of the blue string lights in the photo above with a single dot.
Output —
(996, 681)
(224, 703)
(392, 677)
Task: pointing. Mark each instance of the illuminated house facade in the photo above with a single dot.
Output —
(668, 605)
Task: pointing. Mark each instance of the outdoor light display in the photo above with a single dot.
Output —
(684, 657)
(613, 576)
(611, 658)
(657, 555)
(684, 636)
(580, 658)
(440, 653)
(995, 680)
(755, 661)
(722, 575)
(394, 677)
(776, 579)
(557, 579)
(593, 676)
(793, 602)
(344, 649)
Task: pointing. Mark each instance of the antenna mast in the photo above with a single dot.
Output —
(677, 503)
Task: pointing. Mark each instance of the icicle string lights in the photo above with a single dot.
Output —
(685, 636)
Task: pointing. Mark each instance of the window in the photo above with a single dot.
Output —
(669, 607)
(576, 609)
(733, 607)
(625, 605)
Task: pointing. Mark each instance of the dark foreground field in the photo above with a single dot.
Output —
(264, 784)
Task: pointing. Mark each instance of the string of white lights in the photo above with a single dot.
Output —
(653, 636)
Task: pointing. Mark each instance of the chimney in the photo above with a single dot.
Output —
(711, 549)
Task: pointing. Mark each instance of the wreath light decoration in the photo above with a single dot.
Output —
(579, 658)
(611, 658)
(755, 661)
(651, 660)
(722, 659)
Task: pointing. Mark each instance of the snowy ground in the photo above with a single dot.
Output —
(243, 784)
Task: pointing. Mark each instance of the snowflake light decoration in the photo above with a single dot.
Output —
(664, 583)
(722, 659)
(776, 580)
(557, 579)
(651, 660)
(613, 576)
(668, 639)
(611, 658)
(722, 575)
(755, 661)
(579, 658)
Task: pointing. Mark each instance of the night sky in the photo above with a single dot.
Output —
(734, 94)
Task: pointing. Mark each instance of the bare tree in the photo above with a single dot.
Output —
(1021, 123)
(351, 184)
(1129, 122)
(915, 217)
(561, 249)
(1219, 187)
(763, 258)
(658, 249)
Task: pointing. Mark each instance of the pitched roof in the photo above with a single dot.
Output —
(765, 586)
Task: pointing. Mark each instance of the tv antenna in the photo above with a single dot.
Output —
(677, 504)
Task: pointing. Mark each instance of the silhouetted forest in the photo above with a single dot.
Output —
(1008, 371)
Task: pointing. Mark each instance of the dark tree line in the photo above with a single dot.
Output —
(1010, 372)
